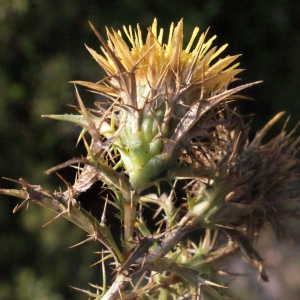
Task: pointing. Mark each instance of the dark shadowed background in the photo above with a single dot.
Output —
(42, 48)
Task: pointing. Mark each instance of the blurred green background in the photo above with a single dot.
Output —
(42, 48)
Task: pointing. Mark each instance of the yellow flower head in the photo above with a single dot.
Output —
(166, 96)
(165, 67)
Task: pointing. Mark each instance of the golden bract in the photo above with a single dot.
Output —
(158, 66)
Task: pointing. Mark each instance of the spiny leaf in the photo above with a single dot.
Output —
(78, 215)
(80, 120)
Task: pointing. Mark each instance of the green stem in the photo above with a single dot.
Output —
(129, 220)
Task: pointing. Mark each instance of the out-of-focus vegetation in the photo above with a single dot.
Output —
(42, 48)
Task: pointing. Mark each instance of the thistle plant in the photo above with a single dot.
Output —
(166, 140)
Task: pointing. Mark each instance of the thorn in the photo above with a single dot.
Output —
(56, 217)
(87, 240)
(202, 281)
(86, 292)
(103, 258)
(19, 206)
(12, 180)
(70, 194)
(67, 164)
(103, 218)
(94, 236)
